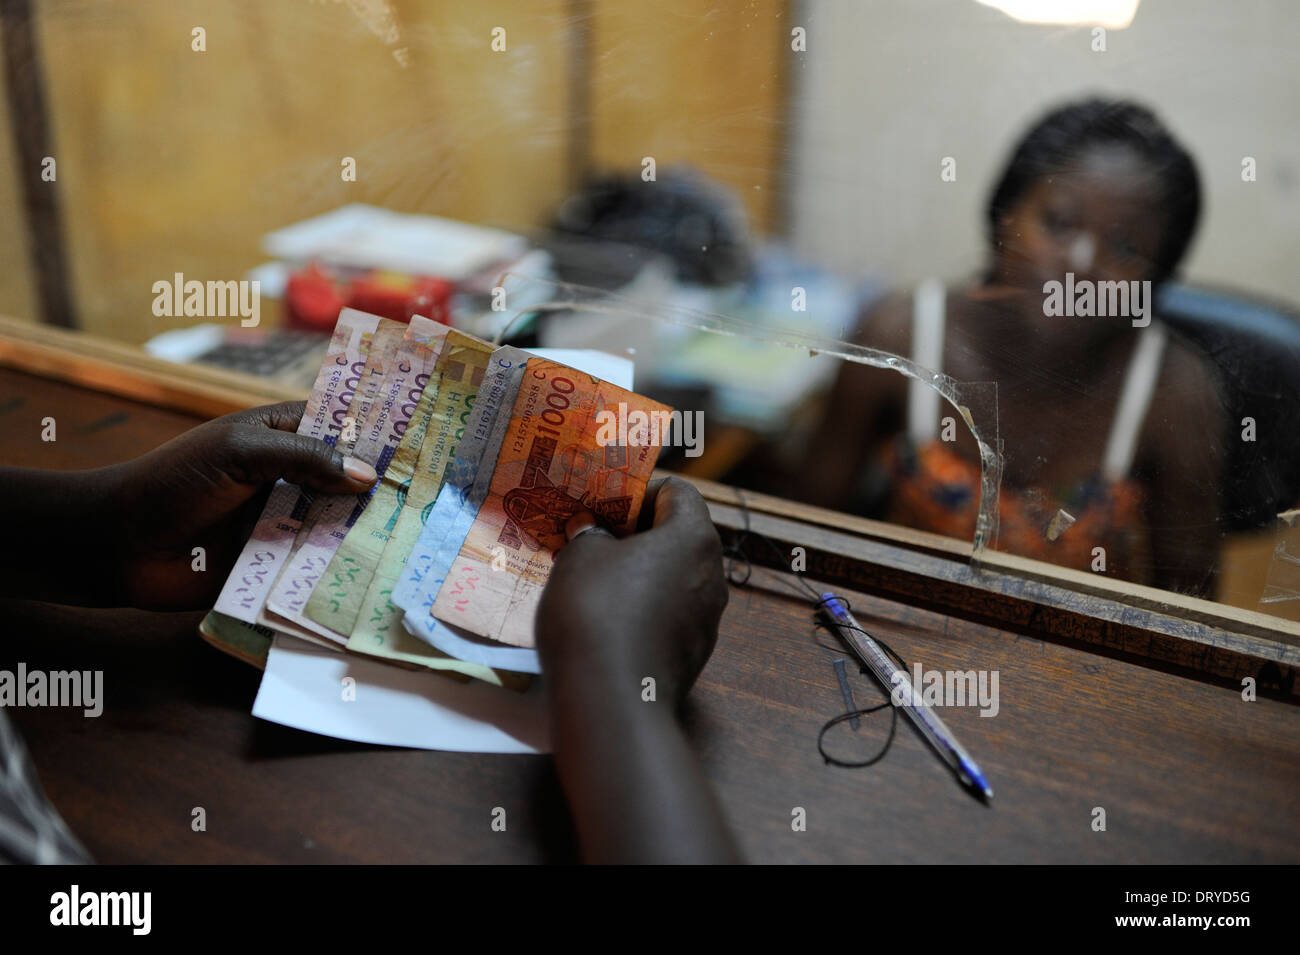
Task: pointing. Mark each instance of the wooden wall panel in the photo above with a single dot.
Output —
(694, 82)
(175, 160)
(17, 291)
(172, 160)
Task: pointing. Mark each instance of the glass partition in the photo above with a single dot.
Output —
(1020, 278)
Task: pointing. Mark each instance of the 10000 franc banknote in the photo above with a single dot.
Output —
(379, 432)
(409, 484)
(264, 554)
(379, 362)
(336, 602)
(558, 457)
(309, 508)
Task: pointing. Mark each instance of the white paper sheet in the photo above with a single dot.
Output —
(303, 687)
(612, 368)
(369, 237)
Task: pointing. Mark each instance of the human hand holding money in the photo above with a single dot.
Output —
(484, 455)
(555, 458)
(615, 612)
(204, 489)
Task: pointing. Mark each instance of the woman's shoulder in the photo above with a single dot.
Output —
(1187, 391)
(1188, 371)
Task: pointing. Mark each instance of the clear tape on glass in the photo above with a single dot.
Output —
(975, 402)
(1283, 584)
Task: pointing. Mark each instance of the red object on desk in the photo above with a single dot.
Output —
(315, 294)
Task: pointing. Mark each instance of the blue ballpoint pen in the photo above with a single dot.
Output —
(890, 676)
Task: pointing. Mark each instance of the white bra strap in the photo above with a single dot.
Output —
(1139, 385)
(923, 401)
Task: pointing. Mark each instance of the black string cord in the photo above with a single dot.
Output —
(736, 552)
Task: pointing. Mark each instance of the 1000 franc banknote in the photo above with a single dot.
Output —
(558, 456)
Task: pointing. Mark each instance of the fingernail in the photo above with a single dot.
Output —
(578, 523)
(358, 470)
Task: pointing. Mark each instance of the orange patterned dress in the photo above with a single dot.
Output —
(934, 488)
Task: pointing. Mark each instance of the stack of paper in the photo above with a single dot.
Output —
(363, 236)
(483, 455)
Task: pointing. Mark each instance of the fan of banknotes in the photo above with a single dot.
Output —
(483, 454)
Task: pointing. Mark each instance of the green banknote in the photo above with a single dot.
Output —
(378, 629)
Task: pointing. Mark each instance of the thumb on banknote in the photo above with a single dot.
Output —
(261, 447)
(584, 522)
(262, 457)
